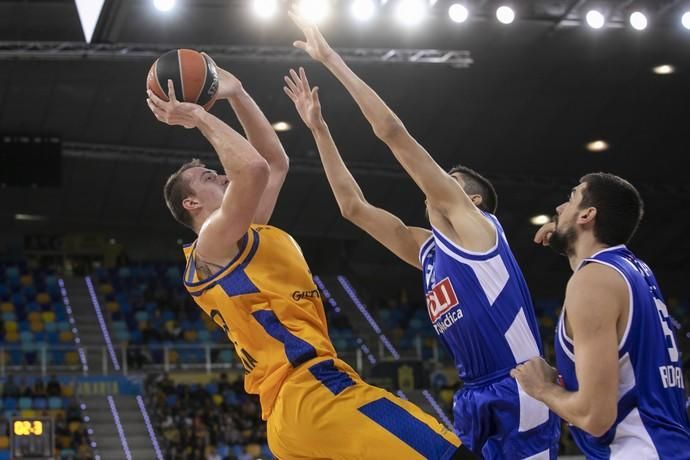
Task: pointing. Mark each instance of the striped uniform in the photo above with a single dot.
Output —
(316, 406)
(652, 421)
(481, 310)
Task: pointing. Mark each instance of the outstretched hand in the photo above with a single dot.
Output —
(306, 99)
(172, 111)
(315, 45)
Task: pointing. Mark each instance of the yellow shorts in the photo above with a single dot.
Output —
(326, 411)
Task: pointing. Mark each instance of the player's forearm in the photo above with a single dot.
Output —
(259, 131)
(577, 409)
(382, 119)
(347, 192)
(235, 153)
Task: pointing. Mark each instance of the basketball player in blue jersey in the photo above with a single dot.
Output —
(477, 298)
(615, 349)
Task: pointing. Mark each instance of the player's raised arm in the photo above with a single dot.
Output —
(247, 172)
(388, 229)
(441, 190)
(592, 310)
(261, 135)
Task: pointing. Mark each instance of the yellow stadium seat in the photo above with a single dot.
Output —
(66, 336)
(67, 391)
(173, 356)
(4, 443)
(64, 441)
(7, 307)
(11, 336)
(217, 400)
(106, 288)
(11, 326)
(112, 307)
(254, 450)
(27, 413)
(34, 316)
(190, 336)
(36, 326)
(48, 317)
(71, 358)
(43, 298)
(73, 427)
(26, 280)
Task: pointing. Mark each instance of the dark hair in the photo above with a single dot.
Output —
(619, 207)
(176, 189)
(476, 184)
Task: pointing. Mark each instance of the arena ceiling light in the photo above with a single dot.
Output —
(685, 20)
(595, 19)
(541, 219)
(458, 13)
(363, 10)
(664, 69)
(29, 217)
(314, 11)
(164, 5)
(411, 12)
(598, 145)
(638, 20)
(265, 9)
(505, 14)
(281, 126)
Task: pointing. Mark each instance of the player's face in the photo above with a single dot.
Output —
(208, 186)
(564, 238)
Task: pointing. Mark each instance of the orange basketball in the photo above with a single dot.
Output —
(194, 77)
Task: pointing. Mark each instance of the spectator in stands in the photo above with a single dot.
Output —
(10, 389)
(39, 387)
(212, 454)
(53, 388)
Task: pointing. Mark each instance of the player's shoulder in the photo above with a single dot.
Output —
(594, 284)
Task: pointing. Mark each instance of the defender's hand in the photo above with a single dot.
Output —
(534, 376)
(305, 98)
(315, 45)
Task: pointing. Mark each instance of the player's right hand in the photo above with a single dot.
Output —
(543, 235)
(306, 99)
(316, 45)
(172, 111)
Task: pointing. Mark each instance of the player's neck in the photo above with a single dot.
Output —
(585, 246)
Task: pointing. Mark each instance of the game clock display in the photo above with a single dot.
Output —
(32, 438)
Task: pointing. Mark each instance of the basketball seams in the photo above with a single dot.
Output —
(161, 93)
(203, 80)
(179, 64)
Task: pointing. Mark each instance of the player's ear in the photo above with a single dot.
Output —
(477, 200)
(190, 203)
(587, 215)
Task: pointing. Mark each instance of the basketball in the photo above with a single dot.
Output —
(194, 76)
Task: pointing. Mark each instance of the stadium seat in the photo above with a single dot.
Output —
(4, 445)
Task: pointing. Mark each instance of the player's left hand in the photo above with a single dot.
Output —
(534, 376)
(172, 111)
(306, 99)
(315, 45)
(228, 84)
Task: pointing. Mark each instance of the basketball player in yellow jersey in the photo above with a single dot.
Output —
(252, 279)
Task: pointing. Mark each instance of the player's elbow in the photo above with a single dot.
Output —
(389, 129)
(257, 170)
(350, 209)
(600, 420)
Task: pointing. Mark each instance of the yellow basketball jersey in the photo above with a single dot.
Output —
(266, 301)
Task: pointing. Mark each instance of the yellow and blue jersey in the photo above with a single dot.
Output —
(315, 404)
(267, 303)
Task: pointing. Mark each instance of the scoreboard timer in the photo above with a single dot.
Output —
(32, 438)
